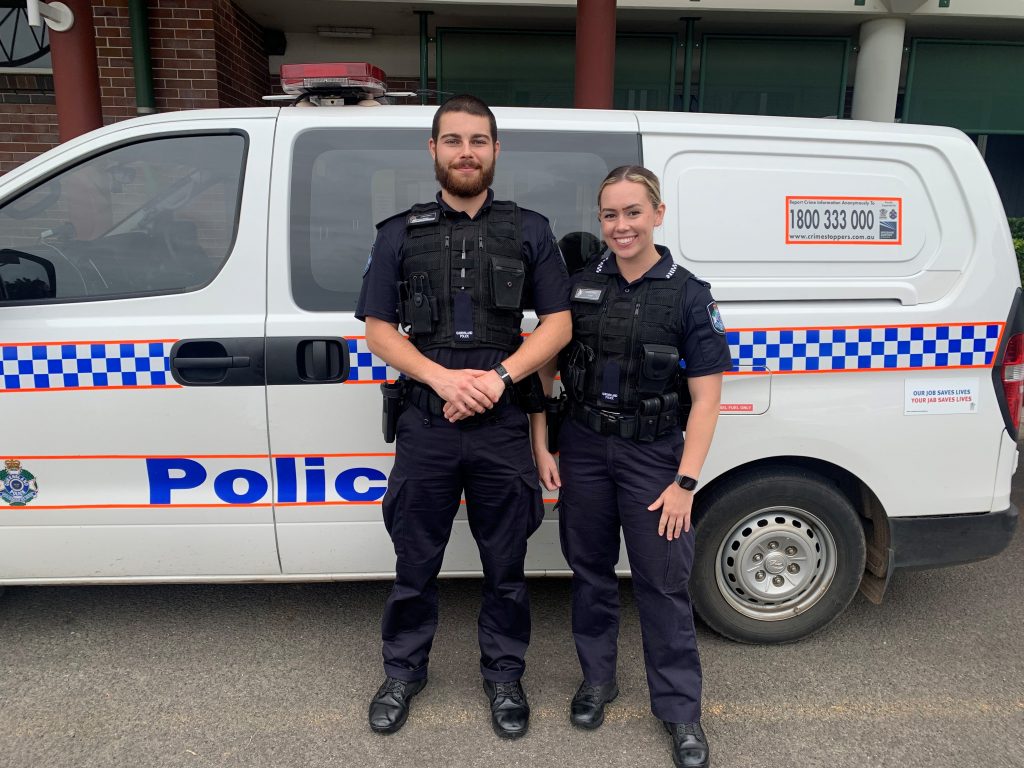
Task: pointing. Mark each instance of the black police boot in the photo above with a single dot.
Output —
(689, 745)
(389, 707)
(587, 708)
(510, 712)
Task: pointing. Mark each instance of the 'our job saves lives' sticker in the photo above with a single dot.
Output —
(929, 396)
(838, 220)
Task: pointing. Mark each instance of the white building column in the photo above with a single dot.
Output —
(877, 81)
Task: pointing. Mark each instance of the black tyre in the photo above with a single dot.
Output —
(780, 554)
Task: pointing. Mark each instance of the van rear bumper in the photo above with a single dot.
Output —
(931, 542)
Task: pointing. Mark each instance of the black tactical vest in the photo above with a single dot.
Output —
(625, 345)
(469, 274)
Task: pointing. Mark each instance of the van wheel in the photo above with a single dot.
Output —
(779, 555)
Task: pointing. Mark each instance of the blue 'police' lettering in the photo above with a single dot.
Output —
(256, 486)
(316, 481)
(345, 484)
(171, 477)
(287, 484)
(161, 482)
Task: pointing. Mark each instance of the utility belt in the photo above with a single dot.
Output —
(424, 398)
(656, 416)
(527, 394)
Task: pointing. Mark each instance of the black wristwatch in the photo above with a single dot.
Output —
(503, 374)
(685, 482)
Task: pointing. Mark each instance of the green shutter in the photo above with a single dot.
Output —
(537, 69)
(644, 71)
(790, 76)
(977, 87)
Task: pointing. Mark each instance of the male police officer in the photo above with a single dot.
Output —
(457, 273)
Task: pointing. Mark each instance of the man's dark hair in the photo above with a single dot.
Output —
(468, 104)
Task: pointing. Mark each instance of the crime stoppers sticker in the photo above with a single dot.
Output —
(844, 220)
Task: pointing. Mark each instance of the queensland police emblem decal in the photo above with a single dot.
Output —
(716, 318)
(17, 486)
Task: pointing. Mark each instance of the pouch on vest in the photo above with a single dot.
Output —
(417, 307)
(669, 418)
(507, 279)
(647, 415)
(659, 364)
(575, 360)
(657, 416)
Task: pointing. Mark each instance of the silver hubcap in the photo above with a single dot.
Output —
(776, 563)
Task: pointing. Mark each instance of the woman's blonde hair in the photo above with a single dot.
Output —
(637, 174)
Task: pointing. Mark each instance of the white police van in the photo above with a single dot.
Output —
(186, 395)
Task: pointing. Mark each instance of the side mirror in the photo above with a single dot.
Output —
(25, 277)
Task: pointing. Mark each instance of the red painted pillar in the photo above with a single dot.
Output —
(595, 54)
(76, 79)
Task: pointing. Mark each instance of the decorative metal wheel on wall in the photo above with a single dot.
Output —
(20, 44)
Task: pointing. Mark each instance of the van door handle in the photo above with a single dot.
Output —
(234, 362)
(231, 361)
(307, 360)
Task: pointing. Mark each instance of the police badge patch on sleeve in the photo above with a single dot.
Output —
(369, 261)
(716, 318)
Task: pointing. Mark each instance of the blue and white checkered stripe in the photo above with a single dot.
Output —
(866, 349)
(364, 367)
(85, 365)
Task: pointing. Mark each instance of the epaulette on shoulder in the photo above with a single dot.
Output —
(596, 265)
(705, 283)
(423, 213)
(384, 222)
(531, 212)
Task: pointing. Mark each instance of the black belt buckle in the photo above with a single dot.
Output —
(609, 421)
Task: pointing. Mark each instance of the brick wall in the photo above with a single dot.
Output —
(181, 39)
(114, 59)
(242, 71)
(28, 118)
(205, 54)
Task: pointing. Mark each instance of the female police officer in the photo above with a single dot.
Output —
(639, 320)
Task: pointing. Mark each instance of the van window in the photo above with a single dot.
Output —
(345, 181)
(158, 216)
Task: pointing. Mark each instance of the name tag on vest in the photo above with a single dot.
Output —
(421, 218)
(588, 295)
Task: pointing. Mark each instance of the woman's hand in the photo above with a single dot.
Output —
(675, 505)
(547, 468)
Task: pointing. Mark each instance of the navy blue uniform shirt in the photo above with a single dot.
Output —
(704, 348)
(548, 286)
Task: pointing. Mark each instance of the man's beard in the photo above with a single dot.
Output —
(458, 186)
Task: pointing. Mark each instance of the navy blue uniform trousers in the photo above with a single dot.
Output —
(607, 484)
(435, 462)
